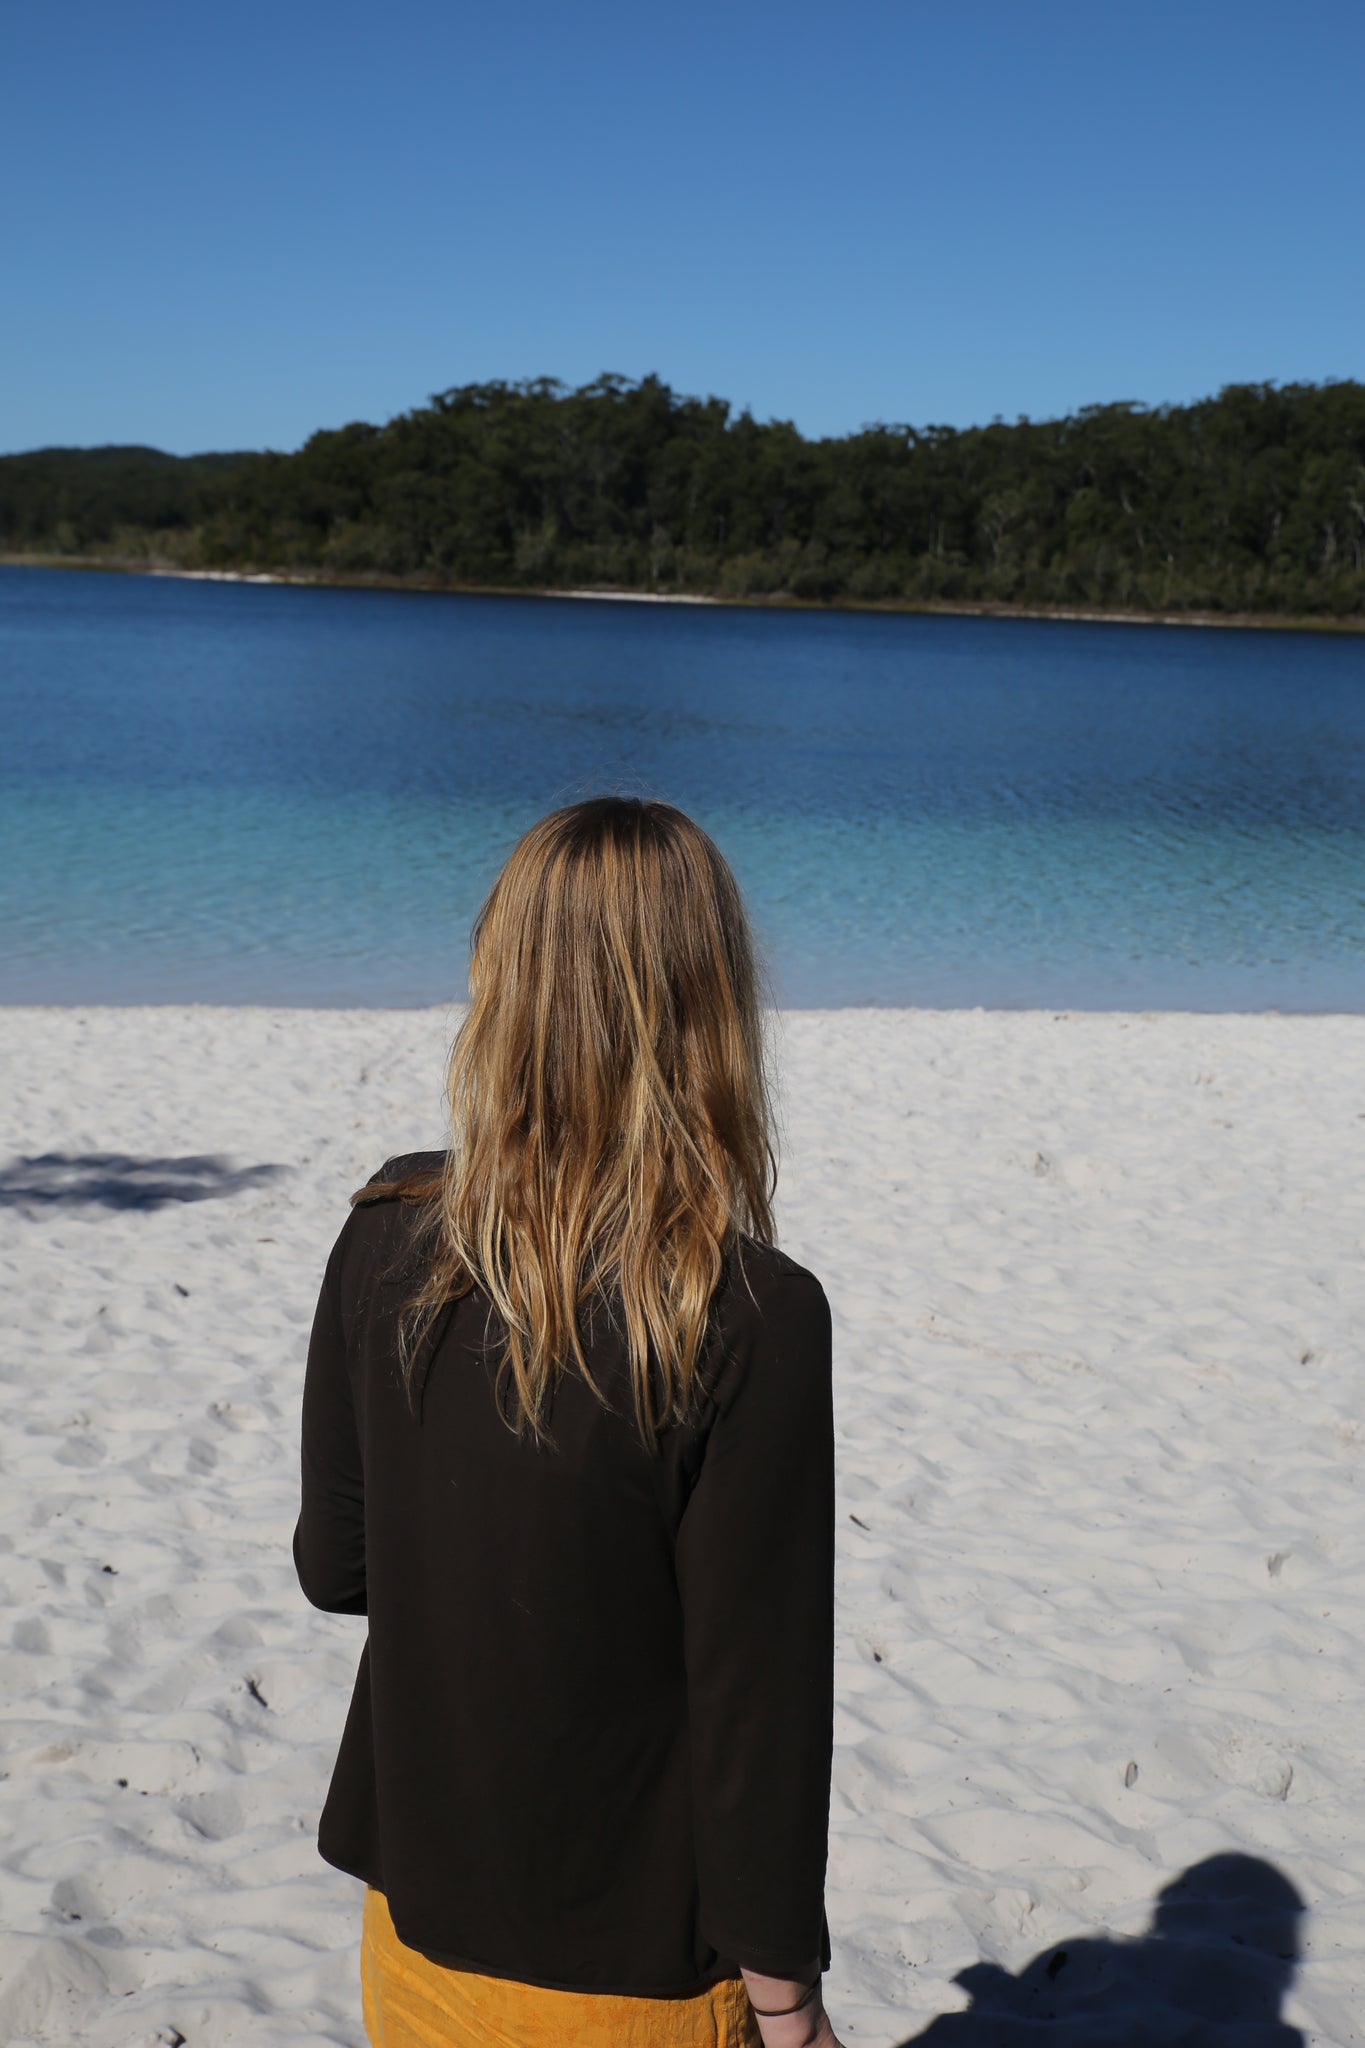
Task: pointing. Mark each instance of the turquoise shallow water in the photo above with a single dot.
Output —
(242, 793)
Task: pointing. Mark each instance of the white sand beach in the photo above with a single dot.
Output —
(1099, 1291)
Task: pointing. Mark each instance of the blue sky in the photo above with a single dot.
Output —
(227, 226)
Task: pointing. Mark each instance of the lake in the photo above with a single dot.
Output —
(260, 793)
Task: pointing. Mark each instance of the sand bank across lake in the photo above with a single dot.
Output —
(1098, 1296)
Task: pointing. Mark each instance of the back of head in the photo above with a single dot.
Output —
(611, 1131)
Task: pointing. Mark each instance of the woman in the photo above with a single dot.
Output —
(567, 1442)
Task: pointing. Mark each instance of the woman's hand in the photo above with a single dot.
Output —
(806, 2027)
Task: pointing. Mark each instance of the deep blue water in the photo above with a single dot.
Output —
(243, 793)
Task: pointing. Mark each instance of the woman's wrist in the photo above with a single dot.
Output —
(808, 2028)
(789, 2010)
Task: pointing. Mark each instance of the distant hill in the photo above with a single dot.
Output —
(1250, 502)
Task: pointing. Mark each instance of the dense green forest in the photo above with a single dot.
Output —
(1253, 501)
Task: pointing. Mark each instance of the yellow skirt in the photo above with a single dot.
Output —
(409, 2002)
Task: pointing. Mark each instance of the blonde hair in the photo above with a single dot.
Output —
(610, 1115)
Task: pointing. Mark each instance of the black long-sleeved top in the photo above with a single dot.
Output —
(589, 1743)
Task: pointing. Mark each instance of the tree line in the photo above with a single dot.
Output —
(1251, 501)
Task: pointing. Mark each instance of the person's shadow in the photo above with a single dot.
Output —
(1211, 1972)
(121, 1180)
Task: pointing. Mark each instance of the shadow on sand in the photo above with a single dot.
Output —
(1211, 1972)
(117, 1180)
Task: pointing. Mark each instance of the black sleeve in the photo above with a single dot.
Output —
(329, 1540)
(755, 1563)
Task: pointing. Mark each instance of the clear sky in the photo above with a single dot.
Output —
(224, 226)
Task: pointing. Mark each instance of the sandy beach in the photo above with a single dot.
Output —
(1098, 1293)
(142, 565)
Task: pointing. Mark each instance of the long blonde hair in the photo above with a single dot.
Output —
(610, 1116)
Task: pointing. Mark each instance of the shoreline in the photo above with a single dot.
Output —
(33, 1006)
(1282, 622)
